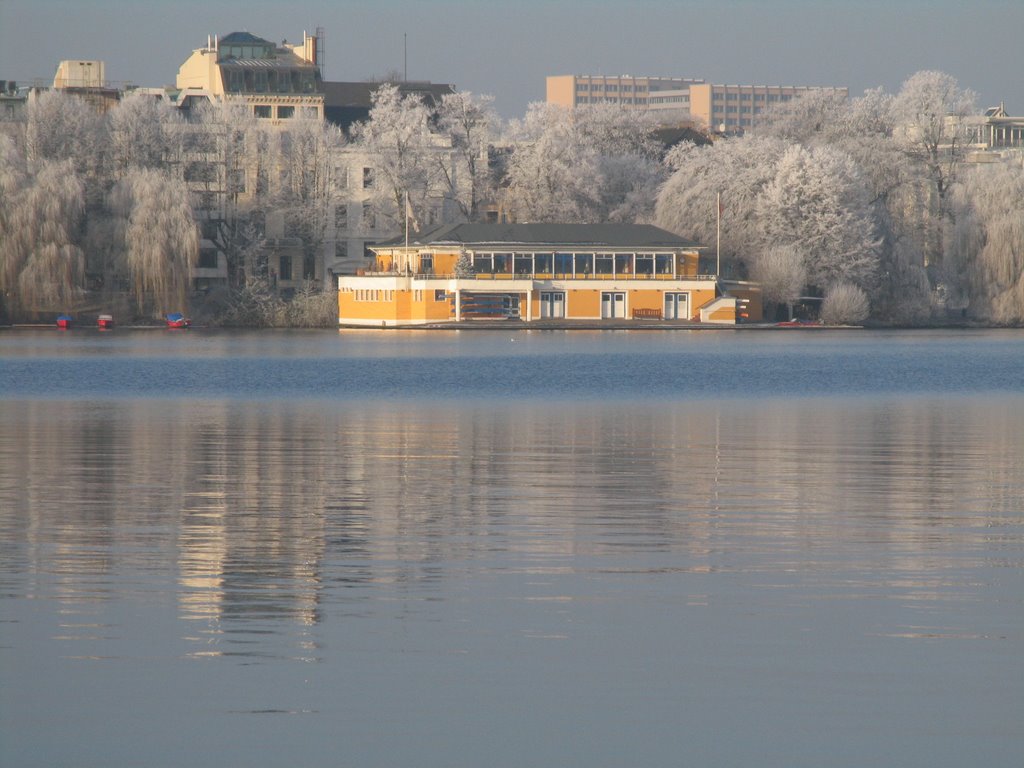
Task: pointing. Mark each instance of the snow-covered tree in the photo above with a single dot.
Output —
(161, 240)
(844, 303)
(738, 169)
(399, 140)
(308, 191)
(65, 127)
(588, 164)
(781, 271)
(144, 132)
(818, 202)
(43, 266)
(987, 243)
(806, 119)
(469, 122)
(930, 112)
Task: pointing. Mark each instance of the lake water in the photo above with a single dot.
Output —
(521, 548)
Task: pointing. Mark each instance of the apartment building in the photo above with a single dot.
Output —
(721, 108)
(277, 82)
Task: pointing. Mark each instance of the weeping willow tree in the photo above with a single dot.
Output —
(160, 237)
(42, 267)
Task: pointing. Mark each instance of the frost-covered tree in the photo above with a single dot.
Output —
(844, 303)
(161, 240)
(144, 132)
(987, 244)
(930, 114)
(818, 202)
(65, 127)
(738, 169)
(233, 154)
(307, 190)
(781, 271)
(399, 140)
(469, 122)
(588, 164)
(43, 266)
(806, 119)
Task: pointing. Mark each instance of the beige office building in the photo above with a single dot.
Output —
(725, 108)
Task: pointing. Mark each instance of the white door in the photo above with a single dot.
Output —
(677, 306)
(552, 304)
(613, 304)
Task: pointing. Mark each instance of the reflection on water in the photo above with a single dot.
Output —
(808, 571)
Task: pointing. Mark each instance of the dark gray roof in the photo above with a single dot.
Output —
(243, 38)
(360, 94)
(645, 236)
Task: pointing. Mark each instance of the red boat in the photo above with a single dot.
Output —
(64, 322)
(105, 322)
(177, 320)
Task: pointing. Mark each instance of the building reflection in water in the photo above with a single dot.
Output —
(271, 513)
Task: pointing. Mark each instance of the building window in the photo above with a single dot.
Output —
(341, 216)
(367, 178)
(207, 258)
(440, 294)
(369, 219)
(426, 263)
(262, 111)
(309, 267)
(285, 267)
(285, 113)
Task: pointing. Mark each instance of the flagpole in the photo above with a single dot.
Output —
(407, 227)
(718, 238)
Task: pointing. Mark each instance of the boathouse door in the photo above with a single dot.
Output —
(552, 304)
(613, 304)
(677, 306)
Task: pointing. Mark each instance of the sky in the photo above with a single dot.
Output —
(506, 48)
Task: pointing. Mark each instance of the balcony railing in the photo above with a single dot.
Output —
(531, 276)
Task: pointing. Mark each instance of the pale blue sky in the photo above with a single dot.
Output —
(506, 48)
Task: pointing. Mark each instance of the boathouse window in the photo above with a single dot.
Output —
(663, 263)
(503, 263)
(563, 263)
(603, 264)
(623, 263)
(584, 263)
(440, 294)
(644, 264)
(483, 264)
(524, 263)
(543, 262)
(426, 263)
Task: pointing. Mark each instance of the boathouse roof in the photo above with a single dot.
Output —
(548, 235)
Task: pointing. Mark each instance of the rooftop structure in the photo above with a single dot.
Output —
(278, 82)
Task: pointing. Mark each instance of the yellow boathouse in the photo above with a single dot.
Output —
(531, 272)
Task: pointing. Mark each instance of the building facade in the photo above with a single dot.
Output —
(534, 272)
(278, 82)
(719, 108)
(996, 130)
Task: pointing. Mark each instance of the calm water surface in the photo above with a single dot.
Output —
(512, 549)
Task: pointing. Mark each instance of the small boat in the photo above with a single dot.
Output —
(105, 322)
(65, 321)
(177, 320)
